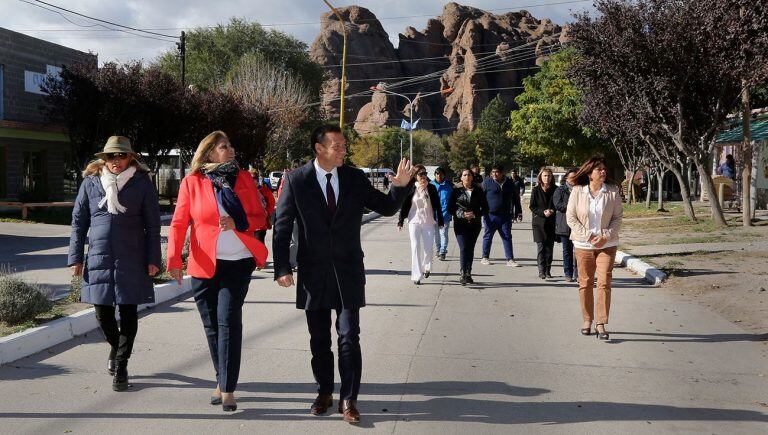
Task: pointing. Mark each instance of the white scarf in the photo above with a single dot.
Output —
(112, 184)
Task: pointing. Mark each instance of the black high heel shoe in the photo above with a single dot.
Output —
(229, 407)
(601, 335)
(586, 331)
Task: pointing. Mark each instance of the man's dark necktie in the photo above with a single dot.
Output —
(331, 197)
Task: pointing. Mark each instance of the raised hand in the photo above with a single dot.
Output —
(405, 172)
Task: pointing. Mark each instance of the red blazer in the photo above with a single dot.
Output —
(197, 202)
(269, 198)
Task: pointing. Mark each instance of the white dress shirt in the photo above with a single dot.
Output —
(322, 180)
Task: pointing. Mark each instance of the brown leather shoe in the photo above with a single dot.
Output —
(348, 411)
(321, 404)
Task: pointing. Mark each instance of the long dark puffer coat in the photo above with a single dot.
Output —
(120, 247)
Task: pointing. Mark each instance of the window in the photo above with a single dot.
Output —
(33, 171)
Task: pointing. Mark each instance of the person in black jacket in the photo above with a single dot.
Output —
(562, 230)
(327, 199)
(467, 205)
(423, 210)
(543, 221)
(520, 184)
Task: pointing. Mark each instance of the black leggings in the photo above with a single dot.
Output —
(120, 339)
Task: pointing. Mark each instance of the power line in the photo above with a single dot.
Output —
(319, 22)
(103, 21)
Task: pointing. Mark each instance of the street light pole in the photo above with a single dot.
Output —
(381, 88)
(343, 64)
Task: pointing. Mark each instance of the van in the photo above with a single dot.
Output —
(274, 179)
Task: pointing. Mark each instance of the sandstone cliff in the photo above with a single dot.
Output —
(476, 53)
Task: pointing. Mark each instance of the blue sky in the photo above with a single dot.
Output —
(299, 18)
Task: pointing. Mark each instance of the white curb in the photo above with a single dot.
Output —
(370, 216)
(33, 340)
(652, 275)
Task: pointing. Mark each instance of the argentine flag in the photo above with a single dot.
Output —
(405, 125)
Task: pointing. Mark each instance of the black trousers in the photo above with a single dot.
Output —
(350, 355)
(119, 338)
(466, 239)
(220, 300)
(544, 251)
(260, 235)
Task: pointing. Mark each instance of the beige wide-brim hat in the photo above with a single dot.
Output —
(116, 144)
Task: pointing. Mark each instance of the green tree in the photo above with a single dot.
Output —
(382, 148)
(494, 144)
(213, 52)
(547, 123)
(463, 150)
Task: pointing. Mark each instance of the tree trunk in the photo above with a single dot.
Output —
(660, 178)
(709, 187)
(746, 158)
(649, 177)
(685, 192)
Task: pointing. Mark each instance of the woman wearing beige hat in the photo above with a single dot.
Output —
(594, 215)
(117, 202)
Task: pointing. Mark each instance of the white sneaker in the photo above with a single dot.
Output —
(512, 263)
(485, 261)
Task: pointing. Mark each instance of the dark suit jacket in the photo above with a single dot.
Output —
(434, 200)
(330, 257)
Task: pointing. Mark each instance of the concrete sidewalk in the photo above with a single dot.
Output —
(502, 356)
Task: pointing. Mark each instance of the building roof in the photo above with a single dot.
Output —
(758, 131)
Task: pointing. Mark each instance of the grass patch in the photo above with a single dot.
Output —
(45, 215)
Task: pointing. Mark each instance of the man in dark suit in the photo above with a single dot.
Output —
(327, 198)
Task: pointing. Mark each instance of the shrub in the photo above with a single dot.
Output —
(20, 301)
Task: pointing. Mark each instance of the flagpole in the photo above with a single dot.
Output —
(343, 64)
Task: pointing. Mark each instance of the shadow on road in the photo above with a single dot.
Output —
(686, 338)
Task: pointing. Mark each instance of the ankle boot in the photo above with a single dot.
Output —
(469, 277)
(120, 381)
(463, 279)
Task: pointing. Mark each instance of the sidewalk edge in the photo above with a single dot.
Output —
(650, 274)
(34, 340)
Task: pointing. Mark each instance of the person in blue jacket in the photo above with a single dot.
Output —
(502, 195)
(118, 203)
(444, 191)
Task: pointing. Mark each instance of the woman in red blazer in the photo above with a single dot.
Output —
(268, 201)
(224, 207)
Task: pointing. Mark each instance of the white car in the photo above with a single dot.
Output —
(274, 179)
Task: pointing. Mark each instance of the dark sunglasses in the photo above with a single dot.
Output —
(110, 156)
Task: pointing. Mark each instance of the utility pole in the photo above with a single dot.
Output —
(183, 57)
(746, 154)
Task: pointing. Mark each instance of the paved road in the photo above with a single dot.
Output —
(502, 356)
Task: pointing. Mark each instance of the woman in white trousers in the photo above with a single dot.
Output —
(423, 210)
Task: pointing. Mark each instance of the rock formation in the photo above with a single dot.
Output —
(475, 53)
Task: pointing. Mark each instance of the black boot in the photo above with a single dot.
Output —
(120, 381)
(469, 277)
(463, 280)
(111, 364)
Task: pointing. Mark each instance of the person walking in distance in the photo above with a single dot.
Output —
(467, 206)
(562, 231)
(501, 195)
(267, 201)
(520, 184)
(224, 208)
(543, 221)
(327, 198)
(594, 215)
(424, 213)
(444, 191)
(117, 213)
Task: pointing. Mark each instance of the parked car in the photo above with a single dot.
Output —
(274, 179)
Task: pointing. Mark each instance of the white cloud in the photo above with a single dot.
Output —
(172, 15)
